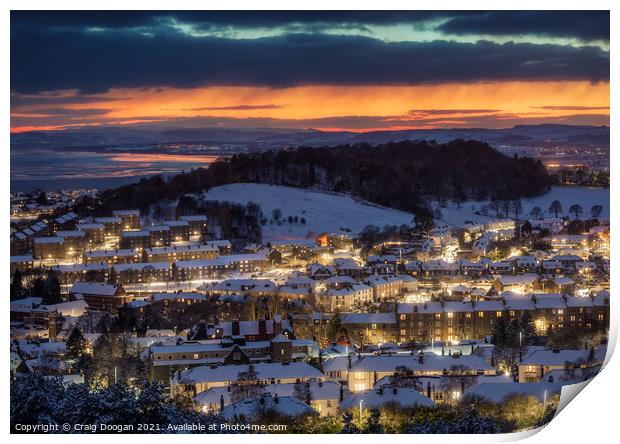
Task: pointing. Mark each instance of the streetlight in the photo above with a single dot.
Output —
(361, 401)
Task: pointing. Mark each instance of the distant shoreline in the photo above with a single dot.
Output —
(100, 183)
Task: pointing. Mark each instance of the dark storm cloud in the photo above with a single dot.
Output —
(211, 19)
(94, 62)
(18, 100)
(72, 113)
(585, 25)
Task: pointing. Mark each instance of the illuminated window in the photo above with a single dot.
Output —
(481, 314)
(498, 314)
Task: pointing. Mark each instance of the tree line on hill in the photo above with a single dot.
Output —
(406, 175)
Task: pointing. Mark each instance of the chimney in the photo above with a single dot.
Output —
(308, 393)
(428, 389)
(421, 357)
(349, 358)
(395, 390)
(221, 402)
(250, 368)
(235, 328)
(551, 379)
(276, 399)
(341, 397)
(277, 327)
(320, 383)
(262, 328)
(555, 349)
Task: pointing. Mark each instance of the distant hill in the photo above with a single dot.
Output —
(406, 176)
(523, 135)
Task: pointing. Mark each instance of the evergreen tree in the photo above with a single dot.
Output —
(42, 198)
(498, 332)
(373, 425)
(76, 344)
(112, 277)
(555, 208)
(17, 286)
(537, 213)
(527, 328)
(335, 323)
(596, 211)
(577, 210)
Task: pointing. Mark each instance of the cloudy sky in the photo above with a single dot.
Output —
(356, 71)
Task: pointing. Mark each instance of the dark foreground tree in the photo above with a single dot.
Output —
(39, 400)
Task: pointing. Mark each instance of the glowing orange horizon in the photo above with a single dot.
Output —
(508, 101)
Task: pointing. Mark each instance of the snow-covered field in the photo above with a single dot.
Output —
(333, 213)
(584, 196)
(323, 212)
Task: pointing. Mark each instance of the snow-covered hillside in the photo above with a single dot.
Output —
(323, 212)
(584, 196)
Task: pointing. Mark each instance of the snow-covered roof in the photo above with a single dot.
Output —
(141, 266)
(563, 280)
(431, 362)
(93, 288)
(106, 253)
(519, 279)
(369, 318)
(458, 307)
(338, 363)
(70, 308)
(376, 398)
(172, 296)
(327, 390)
(135, 234)
(253, 408)
(25, 305)
(578, 302)
(126, 212)
(548, 357)
(263, 371)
